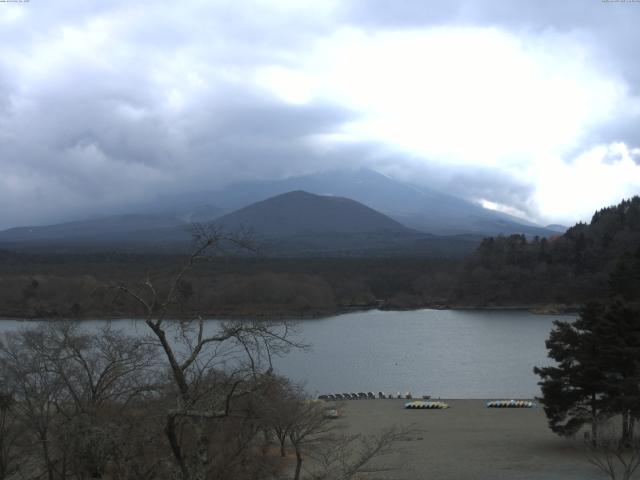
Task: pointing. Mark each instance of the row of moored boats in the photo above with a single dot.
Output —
(367, 395)
(422, 404)
(511, 404)
(492, 404)
(426, 405)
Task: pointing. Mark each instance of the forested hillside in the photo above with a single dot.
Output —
(567, 269)
(78, 286)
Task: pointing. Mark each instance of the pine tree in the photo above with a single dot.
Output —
(573, 391)
(598, 369)
(624, 281)
(618, 331)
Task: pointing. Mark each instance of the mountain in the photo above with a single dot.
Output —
(419, 208)
(296, 223)
(137, 231)
(303, 213)
(299, 223)
(163, 224)
(557, 228)
(129, 231)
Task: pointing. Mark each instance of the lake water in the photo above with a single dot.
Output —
(442, 353)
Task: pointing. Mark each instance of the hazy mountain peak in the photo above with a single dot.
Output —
(299, 212)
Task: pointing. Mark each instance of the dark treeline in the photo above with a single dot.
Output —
(77, 286)
(508, 271)
(568, 269)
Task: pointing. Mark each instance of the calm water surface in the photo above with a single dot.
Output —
(443, 353)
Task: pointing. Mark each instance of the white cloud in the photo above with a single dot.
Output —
(465, 96)
(502, 208)
(597, 178)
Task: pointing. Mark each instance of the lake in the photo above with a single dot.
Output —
(442, 353)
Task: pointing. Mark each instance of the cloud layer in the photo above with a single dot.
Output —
(530, 109)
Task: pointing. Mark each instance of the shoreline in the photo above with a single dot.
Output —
(541, 309)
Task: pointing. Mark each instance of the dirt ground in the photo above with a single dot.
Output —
(470, 441)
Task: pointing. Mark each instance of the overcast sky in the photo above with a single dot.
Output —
(531, 107)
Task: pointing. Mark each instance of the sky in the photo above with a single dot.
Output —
(529, 107)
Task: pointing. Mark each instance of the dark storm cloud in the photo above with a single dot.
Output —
(108, 103)
(250, 137)
(90, 141)
(105, 154)
(90, 127)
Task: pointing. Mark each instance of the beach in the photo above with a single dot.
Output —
(470, 441)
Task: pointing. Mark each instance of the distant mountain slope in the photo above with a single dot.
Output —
(94, 228)
(292, 224)
(132, 232)
(303, 213)
(303, 224)
(125, 231)
(557, 228)
(416, 207)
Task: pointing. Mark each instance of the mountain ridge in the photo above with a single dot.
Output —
(303, 213)
(416, 207)
(296, 223)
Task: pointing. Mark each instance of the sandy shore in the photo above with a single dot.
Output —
(470, 441)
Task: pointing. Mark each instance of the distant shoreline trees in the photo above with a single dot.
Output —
(572, 268)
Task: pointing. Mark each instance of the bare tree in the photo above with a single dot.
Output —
(99, 367)
(70, 391)
(10, 436)
(347, 456)
(343, 457)
(281, 398)
(242, 350)
(309, 426)
(36, 390)
(617, 459)
(103, 373)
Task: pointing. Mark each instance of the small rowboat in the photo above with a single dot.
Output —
(510, 404)
(417, 404)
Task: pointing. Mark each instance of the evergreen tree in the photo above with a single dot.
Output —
(573, 391)
(598, 369)
(618, 331)
(624, 281)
